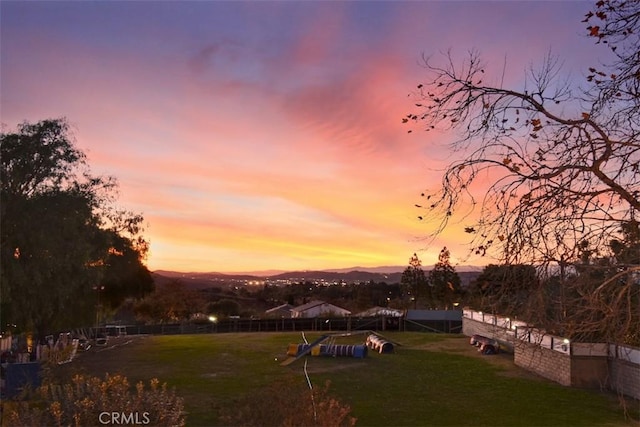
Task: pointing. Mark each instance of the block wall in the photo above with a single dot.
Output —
(625, 377)
(547, 363)
(589, 372)
(588, 365)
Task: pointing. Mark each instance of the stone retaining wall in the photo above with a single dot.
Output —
(589, 365)
(544, 362)
(624, 370)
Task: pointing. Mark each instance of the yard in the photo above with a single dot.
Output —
(430, 379)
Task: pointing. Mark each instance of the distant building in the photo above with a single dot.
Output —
(381, 311)
(283, 310)
(318, 308)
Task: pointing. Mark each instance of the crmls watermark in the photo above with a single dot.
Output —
(124, 418)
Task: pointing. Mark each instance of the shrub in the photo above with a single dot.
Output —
(289, 404)
(93, 401)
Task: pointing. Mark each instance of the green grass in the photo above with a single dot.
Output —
(411, 387)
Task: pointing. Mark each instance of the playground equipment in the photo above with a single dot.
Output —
(316, 348)
(303, 352)
(326, 346)
(378, 344)
(335, 350)
(485, 345)
(329, 348)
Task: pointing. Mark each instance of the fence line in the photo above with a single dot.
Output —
(255, 325)
(526, 333)
(285, 324)
(16, 344)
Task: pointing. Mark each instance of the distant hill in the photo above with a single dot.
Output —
(388, 274)
(210, 276)
(201, 280)
(383, 270)
(346, 276)
(400, 268)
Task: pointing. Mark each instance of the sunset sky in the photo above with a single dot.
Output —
(267, 135)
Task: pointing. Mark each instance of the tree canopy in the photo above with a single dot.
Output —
(414, 281)
(444, 282)
(505, 289)
(562, 159)
(63, 239)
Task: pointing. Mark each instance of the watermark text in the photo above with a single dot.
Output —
(124, 418)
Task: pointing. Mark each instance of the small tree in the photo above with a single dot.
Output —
(414, 281)
(444, 282)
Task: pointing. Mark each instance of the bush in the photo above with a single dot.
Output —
(289, 404)
(93, 401)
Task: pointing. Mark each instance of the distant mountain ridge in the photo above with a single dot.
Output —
(271, 273)
(388, 274)
(400, 268)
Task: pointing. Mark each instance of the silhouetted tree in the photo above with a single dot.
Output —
(170, 302)
(504, 289)
(125, 274)
(414, 281)
(616, 86)
(224, 307)
(604, 297)
(59, 230)
(444, 282)
(562, 162)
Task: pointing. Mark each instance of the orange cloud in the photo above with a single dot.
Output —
(259, 136)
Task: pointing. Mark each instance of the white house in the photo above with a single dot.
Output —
(283, 310)
(381, 311)
(318, 308)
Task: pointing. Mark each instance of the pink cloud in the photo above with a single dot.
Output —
(276, 148)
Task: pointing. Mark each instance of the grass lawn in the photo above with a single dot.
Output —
(430, 380)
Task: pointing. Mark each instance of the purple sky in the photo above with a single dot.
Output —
(267, 135)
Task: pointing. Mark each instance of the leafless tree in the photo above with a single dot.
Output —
(557, 166)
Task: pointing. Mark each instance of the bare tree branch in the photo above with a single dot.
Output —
(557, 165)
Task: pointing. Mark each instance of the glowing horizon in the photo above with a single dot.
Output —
(265, 135)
